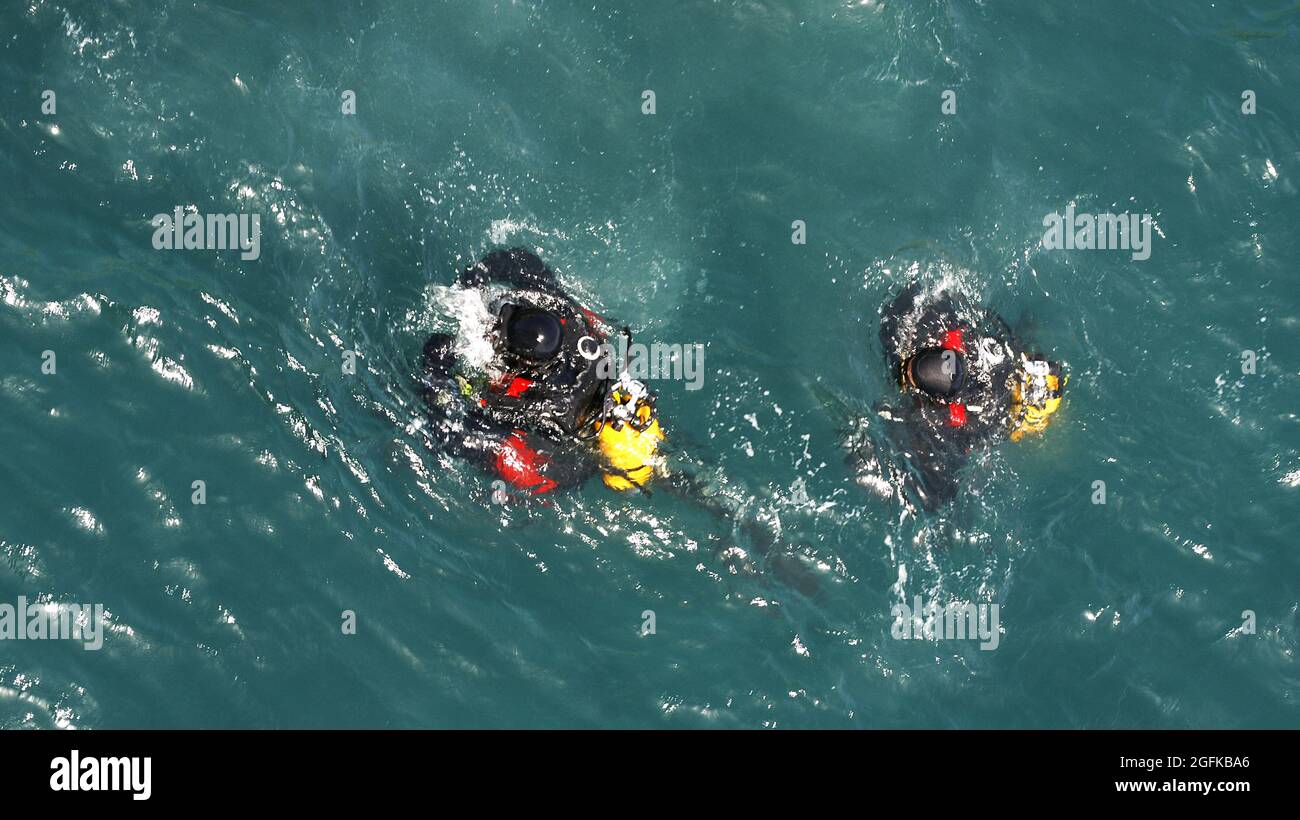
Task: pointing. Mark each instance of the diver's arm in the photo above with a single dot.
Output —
(527, 465)
(686, 482)
(932, 473)
(436, 369)
(439, 357)
(760, 536)
(689, 485)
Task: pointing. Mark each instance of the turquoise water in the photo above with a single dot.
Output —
(486, 124)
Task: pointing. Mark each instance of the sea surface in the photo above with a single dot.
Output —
(481, 125)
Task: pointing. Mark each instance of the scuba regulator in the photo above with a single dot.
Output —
(1035, 395)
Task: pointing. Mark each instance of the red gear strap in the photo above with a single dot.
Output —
(956, 414)
(517, 387)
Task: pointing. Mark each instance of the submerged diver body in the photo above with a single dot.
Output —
(967, 384)
(543, 413)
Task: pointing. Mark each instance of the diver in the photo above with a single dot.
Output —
(543, 409)
(967, 383)
(544, 412)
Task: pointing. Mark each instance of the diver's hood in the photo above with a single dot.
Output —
(531, 333)
(537, 329)
(546, 340)
(937, 372)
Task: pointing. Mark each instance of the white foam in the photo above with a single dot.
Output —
(468, 307)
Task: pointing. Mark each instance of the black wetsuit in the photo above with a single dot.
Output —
(548, 417)
(525, 424)
(932, 439)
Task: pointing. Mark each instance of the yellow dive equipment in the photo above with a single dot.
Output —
(629, 435)
(1035, 395)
